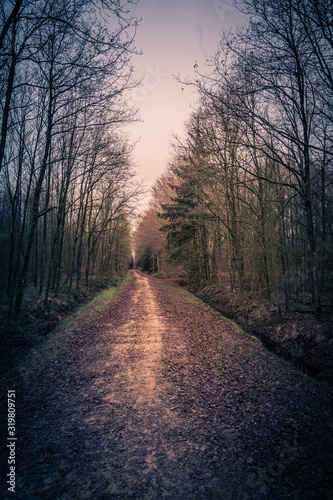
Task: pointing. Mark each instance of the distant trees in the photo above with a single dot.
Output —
(254, 196)
(150, 242)
(65, 175)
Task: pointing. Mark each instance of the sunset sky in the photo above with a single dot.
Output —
(174, 35)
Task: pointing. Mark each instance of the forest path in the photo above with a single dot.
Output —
(160, 397)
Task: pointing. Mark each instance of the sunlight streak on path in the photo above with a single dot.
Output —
(140, 338)
(140, 399)
(158, 397)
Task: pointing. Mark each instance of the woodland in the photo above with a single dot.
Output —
(244, 209)
(246, 200)
(146, 391)
(67, 184)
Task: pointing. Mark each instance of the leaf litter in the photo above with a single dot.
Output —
(160, 397)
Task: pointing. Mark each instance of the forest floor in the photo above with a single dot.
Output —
(37, 319)
(149, 393)
(292, 333)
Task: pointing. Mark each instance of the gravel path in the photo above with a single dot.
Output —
(161, 398)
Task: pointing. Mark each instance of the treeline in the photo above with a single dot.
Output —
(252, 195)
(66, 181)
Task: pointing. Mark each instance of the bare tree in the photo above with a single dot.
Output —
(63, 77)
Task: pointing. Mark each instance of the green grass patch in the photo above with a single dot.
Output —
(55, 343)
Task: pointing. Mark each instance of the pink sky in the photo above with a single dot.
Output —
(173, 35)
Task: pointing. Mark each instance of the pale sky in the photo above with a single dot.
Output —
(174, 35)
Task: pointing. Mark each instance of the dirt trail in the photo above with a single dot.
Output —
(145, 403)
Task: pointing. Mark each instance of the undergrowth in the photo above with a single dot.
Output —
(37, 319)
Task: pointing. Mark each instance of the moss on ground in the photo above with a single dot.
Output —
(52, 346)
